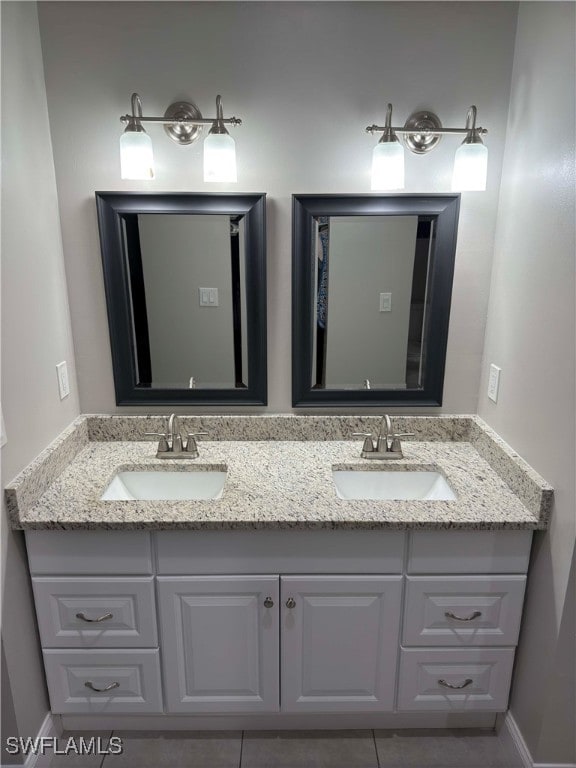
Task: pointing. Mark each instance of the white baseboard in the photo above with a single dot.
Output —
(515, 734)
(47, 729)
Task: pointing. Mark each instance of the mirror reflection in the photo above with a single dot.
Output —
(187, 277)
(372, 301)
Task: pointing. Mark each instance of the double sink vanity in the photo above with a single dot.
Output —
(280, 572)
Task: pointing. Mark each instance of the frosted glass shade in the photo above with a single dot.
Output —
(388, 166)
(136, 156)
(470, 167)
(219, 157)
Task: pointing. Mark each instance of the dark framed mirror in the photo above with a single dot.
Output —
(185, 281)
(371, 289)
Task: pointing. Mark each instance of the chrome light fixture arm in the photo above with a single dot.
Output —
(181, 114)
(423, 130)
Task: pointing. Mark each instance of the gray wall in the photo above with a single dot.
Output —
(36, 336)
(531, 336)
(179, 255)
(306, 78)
(369, 256)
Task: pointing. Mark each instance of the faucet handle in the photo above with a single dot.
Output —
(396, 445)
(368, 446)
(163, 444)
(191, 446)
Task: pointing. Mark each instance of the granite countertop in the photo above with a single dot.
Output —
(279, 483)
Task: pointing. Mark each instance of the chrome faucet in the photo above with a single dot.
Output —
(386, 445)
(171, 444)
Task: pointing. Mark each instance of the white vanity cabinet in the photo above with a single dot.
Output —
(272, 622)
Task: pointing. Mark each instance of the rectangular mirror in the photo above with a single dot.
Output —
(186, 296)
(372, 280)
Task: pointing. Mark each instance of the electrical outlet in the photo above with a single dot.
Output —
(63, 382)
(493, 382)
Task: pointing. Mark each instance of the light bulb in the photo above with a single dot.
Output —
(388, 166)
(219, 157)
(470, 168)
(136, 155)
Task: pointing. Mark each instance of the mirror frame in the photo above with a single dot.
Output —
(112, 207)
(305, 208)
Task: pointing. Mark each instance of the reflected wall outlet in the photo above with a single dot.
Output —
(63, 383)
(493, 382)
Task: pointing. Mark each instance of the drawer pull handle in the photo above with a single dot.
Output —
(268, 602)
(472, 616)
(94, 621)
(290, 603)
(92, 687)
(466, 682)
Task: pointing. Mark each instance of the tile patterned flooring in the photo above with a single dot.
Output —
(302, 749)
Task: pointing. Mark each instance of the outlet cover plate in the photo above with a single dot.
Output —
(494, 382)
(63, 381)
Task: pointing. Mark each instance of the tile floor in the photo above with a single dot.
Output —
(302, 749)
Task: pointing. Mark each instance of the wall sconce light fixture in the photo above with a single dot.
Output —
(183, 123)
(421, 133)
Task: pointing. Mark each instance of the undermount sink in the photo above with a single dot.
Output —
(128, 485)
(392, 485)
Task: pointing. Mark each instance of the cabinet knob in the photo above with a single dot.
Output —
(290, 603)
(269, 603)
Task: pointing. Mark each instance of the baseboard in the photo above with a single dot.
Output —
(48, 729)
(515, 734)
(277, 722)
(554, 765)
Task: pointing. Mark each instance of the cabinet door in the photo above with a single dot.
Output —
(339, 642)
(220, 643)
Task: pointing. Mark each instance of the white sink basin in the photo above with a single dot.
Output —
(388, 484)
(165, 486)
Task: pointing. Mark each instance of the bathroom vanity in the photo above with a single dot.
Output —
(278, 599)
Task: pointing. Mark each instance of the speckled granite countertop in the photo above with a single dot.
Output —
(281, 482)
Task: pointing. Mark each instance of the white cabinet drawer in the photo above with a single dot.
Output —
(480, 679)
(96, 613)
(127, 681)
(463, 610)
(89, 552)
(469, 551)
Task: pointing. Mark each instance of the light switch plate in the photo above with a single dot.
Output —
(494, 382)
(63, 382)
(385, 302)
(3, 436)
(208, 297)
